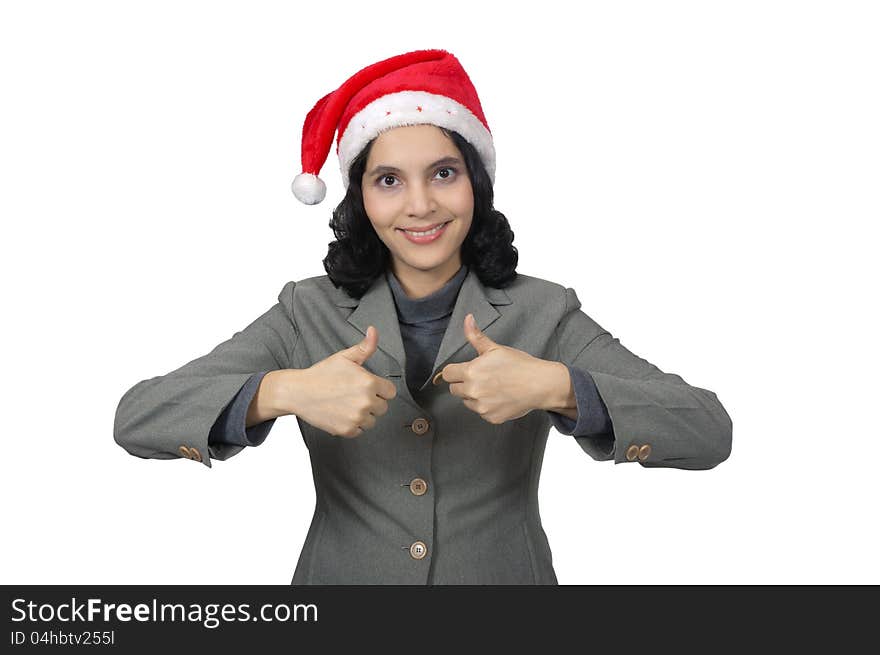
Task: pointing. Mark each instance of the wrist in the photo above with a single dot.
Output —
(558, 392)
(284, 390)
(273, 397)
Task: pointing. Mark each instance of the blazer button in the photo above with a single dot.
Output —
(184, 451)
(632, 452)
(644, 452)
(196, 455)
(418, 486)
(420, 425)
(418, 549)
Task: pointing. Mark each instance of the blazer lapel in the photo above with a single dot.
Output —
(473, 298)
(376, 307)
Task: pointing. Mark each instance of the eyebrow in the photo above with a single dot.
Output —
(392, 169)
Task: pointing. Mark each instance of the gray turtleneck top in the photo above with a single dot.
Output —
(423, 322)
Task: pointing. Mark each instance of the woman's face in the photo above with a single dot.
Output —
(416, 178)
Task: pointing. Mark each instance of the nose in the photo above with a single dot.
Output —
(420, 200)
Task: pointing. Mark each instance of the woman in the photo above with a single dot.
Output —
(424, 372)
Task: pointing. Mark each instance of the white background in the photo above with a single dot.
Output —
(703, 174)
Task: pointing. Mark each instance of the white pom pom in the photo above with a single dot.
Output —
(309, 188)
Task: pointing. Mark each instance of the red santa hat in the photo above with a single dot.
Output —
(423, 86)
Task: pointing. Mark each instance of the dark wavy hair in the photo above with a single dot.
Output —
(358, 256)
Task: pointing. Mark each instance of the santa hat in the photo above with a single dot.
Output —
(423, 86)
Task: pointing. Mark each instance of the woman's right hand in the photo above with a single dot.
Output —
(338, 395)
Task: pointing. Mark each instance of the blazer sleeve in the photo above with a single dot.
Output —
(171, 416)
(230, 427)
(592, 419)
(658, 419)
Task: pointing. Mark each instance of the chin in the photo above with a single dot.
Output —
(425, 263)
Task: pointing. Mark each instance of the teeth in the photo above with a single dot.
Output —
(424, 234)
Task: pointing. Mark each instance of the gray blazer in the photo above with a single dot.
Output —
(432, 494)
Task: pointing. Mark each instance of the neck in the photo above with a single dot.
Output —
(418, 283)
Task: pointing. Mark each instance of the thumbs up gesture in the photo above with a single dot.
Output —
(340, 396)
(502, 383)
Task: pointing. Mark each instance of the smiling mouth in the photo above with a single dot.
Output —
(425, 232)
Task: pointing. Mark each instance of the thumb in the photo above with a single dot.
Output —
(361, 351)
(478, 340)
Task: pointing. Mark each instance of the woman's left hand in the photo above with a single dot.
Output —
(502, 383)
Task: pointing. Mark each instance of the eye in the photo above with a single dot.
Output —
(387, 176)
(450, 175)
(452, 172)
